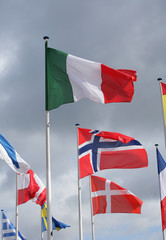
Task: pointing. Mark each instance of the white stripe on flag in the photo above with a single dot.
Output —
(162, 180)
(23, 181)
(85, 78)
(23, 166)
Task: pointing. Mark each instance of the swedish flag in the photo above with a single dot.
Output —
(56, 225)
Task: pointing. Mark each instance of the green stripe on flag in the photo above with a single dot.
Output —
(58, 87)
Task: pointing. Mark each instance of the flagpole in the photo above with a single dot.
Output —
(2, 224)
(79, 193)
(16, 224)
(156, 145)
(91, 206)
(42, 237)
(164, 120)
(48, 162)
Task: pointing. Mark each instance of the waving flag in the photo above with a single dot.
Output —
(56, 225)
(9, 231)
(30, 187)
(70, 79)
(11, 157)
(162, 184)
(108, 197)
(100, 150)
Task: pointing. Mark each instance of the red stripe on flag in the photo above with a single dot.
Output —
(163, 87)
(132, 158)
(99, 204)
(28, 193)
(97, 183)
(84, 135)
(125, 204)
(85, 166)
(163, 213)
(42, 197)
(117, 85)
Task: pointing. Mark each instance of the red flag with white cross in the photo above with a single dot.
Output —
(108, 197)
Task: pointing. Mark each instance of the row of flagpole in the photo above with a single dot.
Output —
(79, 184)
(48, 177)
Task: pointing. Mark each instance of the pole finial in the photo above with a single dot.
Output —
(77, 124)
(45, 38)
(159, 79)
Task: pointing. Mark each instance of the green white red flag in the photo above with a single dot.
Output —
(70, 78)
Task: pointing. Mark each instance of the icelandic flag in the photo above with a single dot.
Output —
(9, 231)
(162, 183)
(108, 197)
(11, 157)
(56, 225)
(100, 150)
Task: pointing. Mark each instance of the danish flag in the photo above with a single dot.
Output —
(108, 197)
(100, 150)
(30, 187)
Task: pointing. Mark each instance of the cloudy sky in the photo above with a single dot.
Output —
(121, 34)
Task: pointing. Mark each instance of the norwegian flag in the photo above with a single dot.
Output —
(100, 150)
(108, 197)
(30, 187)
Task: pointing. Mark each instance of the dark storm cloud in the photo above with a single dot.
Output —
(121, 34)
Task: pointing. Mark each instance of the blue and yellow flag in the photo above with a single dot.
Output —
(56, 225)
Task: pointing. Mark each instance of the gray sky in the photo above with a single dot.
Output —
(121, 34)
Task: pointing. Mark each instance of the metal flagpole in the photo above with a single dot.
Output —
(42, 237)
(48, 162)
(16, 220)
(2, 225)
(79, 194)
(164, 120)
(156, 145)
(91, 206)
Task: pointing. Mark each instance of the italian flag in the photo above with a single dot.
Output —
(70, 78)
